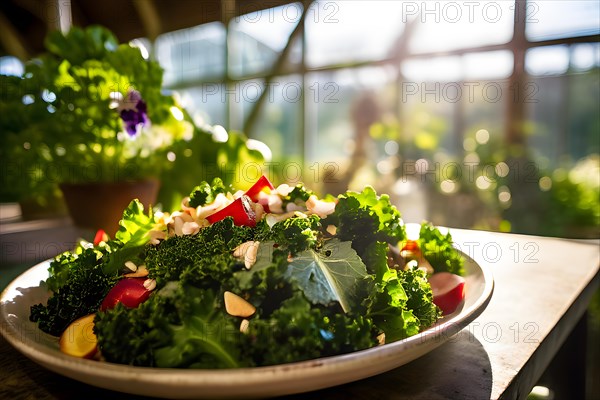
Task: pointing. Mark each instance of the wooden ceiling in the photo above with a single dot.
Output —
(24, 23)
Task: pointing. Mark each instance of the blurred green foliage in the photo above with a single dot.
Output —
(59, 124)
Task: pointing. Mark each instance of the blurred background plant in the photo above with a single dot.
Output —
(72, 118)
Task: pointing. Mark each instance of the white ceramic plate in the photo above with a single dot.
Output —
(234, 383)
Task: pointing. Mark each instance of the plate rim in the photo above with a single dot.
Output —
(220, 380)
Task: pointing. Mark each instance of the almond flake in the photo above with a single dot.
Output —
(130, 266)
(244, 326)
(141, 272)
(332, 229)
(238, 307)
(190, 228)
(150, 284)
(178, 226)
(247, 251)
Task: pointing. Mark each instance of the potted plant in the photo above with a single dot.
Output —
(90, 118)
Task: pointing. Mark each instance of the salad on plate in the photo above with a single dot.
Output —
(266, 276)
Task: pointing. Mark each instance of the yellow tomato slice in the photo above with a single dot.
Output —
(78, 339)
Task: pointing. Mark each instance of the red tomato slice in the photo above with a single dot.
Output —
(129, 291)
(448, 291)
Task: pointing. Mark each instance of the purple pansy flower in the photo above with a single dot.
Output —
(133, 113)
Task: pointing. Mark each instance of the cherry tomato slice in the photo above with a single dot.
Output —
(129, 291)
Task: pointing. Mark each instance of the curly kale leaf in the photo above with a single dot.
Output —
(61, 268)
(438, 250)
(387, 307)
(401, 304)
(375, 259)
(390, 220)
(298, 195)
(131, 335)
(177, 327)
(295, 234)
(131, 238)
(207, 337)
(203, 259)
(135, 225)
(363, 218)
(77, 291)
(298, 331)
(206, 193)
(420, 297)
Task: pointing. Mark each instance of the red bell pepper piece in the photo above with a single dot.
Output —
(261, 184)
(240, 210)
(411, 245)
(101, 236)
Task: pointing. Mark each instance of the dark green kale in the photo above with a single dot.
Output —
(206, 193)
(204, 259)
(180, 326)
(79, 286)
(79, 280)
(438, 250)
(298, 331)
(131, 335)
(294, 234)
(298, 195)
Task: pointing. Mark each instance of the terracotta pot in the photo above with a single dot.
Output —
(100, 205)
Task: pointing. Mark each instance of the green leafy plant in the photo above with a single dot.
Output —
(93, 110)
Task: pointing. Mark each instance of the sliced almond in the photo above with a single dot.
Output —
(150, 284)
(130, 265)
(178, 226)
(190, 228)
(244, 325)
(183, 215)
(157, 236)
(141, 272)
(248, 252)
(332, 230)
(284, 189)
(381, 338)
(259, 211)
(250, 256)
(238, 307)
(320, 207)
(221, 201)
(240, 251)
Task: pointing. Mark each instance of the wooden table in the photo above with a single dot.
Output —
(543, 288)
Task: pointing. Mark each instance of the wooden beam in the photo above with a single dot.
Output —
(58, 15)
(11, 40)
(149, 15)
(228, 10)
